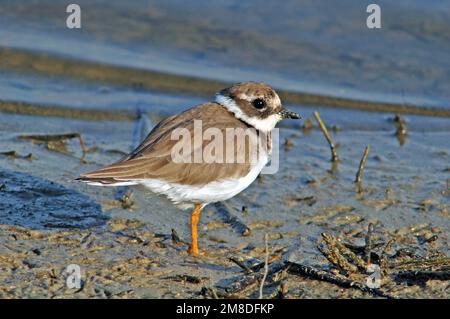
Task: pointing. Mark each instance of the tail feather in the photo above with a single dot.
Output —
(108, 181)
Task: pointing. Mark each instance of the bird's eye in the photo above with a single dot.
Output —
(259, 103)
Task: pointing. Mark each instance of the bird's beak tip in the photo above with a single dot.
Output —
(286, 114)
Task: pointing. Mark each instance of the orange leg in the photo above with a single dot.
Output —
(195, 216)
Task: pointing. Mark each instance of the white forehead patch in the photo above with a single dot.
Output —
(265, 125)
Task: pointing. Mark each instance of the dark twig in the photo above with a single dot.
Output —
(421, 275)
(58, 137)
(247, 269)
(302, 270)
(275, 257)
(243, 284)
(334, 156)
(185, 278)
(13, 154)
(232, 220)
(401, 129)
(421, 263)
(175, 237)
(362, 164)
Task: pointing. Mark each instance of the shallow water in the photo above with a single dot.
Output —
(302, 46)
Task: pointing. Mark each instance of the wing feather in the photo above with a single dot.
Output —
(152, 159)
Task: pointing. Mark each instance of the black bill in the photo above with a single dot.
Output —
(286, 114)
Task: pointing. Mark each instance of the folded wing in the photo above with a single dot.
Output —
(152, 159)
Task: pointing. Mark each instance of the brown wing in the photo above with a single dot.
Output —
(153, 160)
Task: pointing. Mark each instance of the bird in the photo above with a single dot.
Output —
(173, 160)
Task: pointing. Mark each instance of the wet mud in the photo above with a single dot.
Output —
(130, 243)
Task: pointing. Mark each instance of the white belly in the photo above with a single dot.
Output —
(185, 196)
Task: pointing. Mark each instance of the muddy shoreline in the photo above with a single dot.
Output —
(50, 65)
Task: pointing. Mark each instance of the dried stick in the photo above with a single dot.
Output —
(83, 147)
(229, 218)
(334, 156)
(401, 129)
(185, 278)
(362, 164)
(58, 137)
(266, 267)
(368, 249)
(421, 264)
(303, 270)
(275, 257)
(239, 263)
(175, 237)
(423, 274)
(244, 283)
